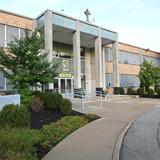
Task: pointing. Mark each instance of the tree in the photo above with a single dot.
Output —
(149, 75)
(25, 64)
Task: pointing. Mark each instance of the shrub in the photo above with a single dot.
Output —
(150, 92)
(37, 104)
(91, 117)
(51, 100)
(65, 107)
(141, 92)
(55, 132)
(158, 92)
(14, 116)
(26, 97)
(18, 144)
(130, 91)
(121, 90)
(36, 93)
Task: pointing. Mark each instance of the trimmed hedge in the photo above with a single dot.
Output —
(51, 100)
(65, 107)
(150, 93)
(55, 132)
(130, 91)
(18, 144)
(121, 90)
(14, 116)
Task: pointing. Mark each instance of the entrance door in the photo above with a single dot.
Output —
(65, 85)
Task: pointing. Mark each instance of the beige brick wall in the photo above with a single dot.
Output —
(123, 68)
(138, 50)
(16, 21)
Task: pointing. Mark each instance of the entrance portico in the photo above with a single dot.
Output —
(82, 44)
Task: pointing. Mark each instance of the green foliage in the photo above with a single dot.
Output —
(150, 92)
(149, 75)
(14, 116)
(18, 144)
(141, 92)
(36, 93)
(36, 104)
(121, 90)
(65, 107)
(51, 100)
(130, 91)
(91, 117)
(158, 92)
(24, 63)
(55, 132)
(26, 97)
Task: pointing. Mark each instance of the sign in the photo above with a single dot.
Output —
(65, 65)
(65, 75)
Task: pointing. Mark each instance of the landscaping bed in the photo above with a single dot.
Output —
(46, 117)
(30, 132)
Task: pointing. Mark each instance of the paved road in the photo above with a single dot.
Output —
(142, 140)
(98, 140)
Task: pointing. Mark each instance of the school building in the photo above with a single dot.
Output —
(90, 56)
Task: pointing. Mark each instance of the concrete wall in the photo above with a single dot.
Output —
(9, 99)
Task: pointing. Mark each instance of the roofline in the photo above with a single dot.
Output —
(148, 49)
(64, 15)
(19, 15)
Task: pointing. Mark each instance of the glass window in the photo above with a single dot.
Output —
(2, 35)
(109, 80)
(11, 33)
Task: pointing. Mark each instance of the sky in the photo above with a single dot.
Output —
(136, 21)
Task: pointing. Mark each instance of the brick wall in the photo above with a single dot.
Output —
(15, 20)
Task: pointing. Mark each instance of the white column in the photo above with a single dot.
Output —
(115, 64)
(88, 70)
(103, 68)
(98, 60)
(49, 38)
(77, 58)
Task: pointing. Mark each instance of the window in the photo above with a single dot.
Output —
(2, 35)
(11, 33)
(109, 80)
(108, 54)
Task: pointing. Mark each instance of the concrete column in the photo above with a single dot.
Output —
(98, 60)
(48, 30)
(77, 58)
(103, 68)
(88, 70)
(115, 64)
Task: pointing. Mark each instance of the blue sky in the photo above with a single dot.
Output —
(136, 21)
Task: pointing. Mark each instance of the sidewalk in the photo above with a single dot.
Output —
(97, 140)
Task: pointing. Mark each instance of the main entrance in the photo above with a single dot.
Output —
(65, 85)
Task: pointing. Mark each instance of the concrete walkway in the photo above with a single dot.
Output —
(99, 140)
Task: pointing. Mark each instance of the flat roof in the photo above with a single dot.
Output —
(64, 15)
(148, 49)
(19, 15)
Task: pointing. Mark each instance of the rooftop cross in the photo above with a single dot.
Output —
(87, 13)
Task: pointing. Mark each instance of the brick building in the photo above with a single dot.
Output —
(90, 56)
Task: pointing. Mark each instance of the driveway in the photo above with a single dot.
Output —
(142, 140)
(99, 140)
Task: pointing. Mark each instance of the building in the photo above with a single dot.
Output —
(90, 56)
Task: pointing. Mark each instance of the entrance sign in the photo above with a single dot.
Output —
(65, 75)
(65, 65)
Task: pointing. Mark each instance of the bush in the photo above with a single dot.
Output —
(26, 97)
(65, 107)
(51, 100)
(55, 132)
(150, 92)
(14, 116)
(36, 93)
(91, 117)
(141, 92)
(158, 92)
(37, 104)
(18, 144)
(130, 91)
(121, 90)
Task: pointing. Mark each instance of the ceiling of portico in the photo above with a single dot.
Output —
(65, 35)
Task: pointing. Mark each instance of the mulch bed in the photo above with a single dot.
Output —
(46, 117)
